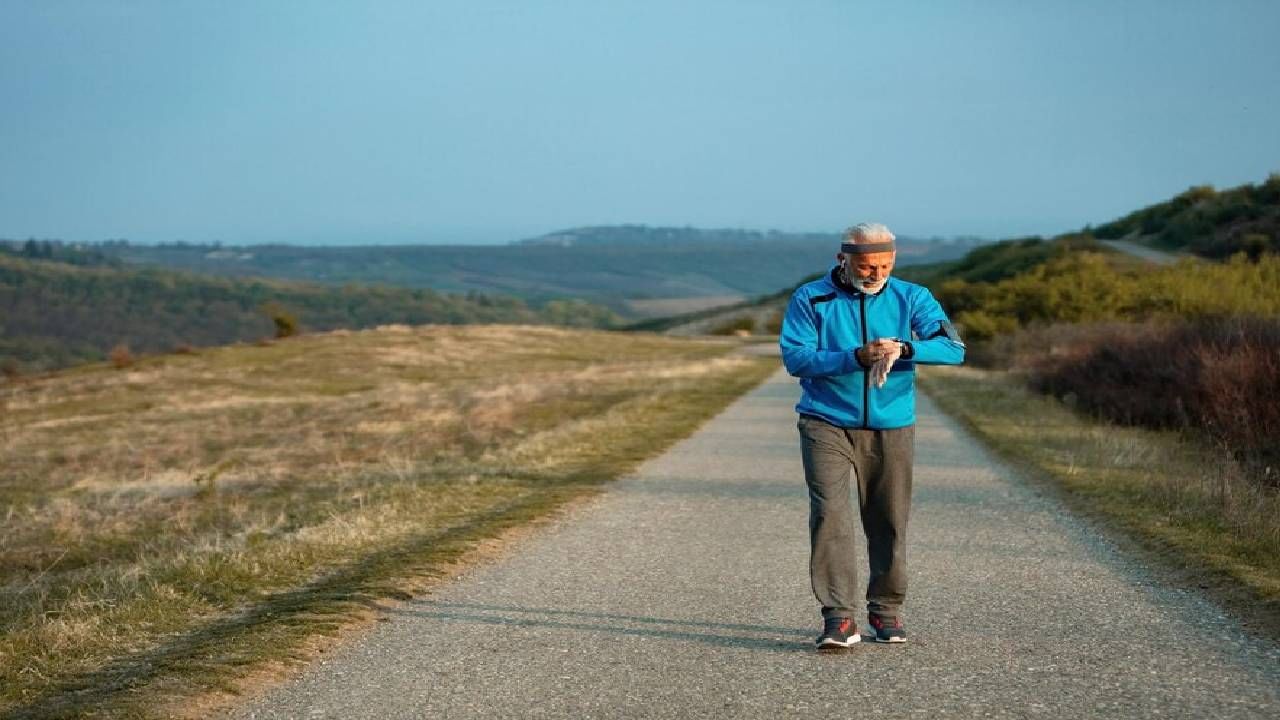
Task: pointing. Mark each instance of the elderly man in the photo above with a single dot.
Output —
(854, 337)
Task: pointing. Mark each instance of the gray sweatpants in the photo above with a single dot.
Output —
(881, 461)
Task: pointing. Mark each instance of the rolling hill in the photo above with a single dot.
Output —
(1208, 222)
(996, 288)
(54, 314)
(635, 270)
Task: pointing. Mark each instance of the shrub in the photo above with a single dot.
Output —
(735, 326)
(120, 356)
(286, 324)
(578, 313)
(1093, 288)
(1254, 245)
(1219, 378)
(976, 325)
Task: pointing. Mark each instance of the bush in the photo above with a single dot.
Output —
(286, 324)
(578, 313)
(977, 325)
(120, 356)
(1255, 244)
(735, 326)
(1093, 288)
(1218, 378)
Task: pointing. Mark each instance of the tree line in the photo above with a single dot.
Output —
(54, 314)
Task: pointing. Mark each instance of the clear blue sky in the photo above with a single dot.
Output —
(475, 121)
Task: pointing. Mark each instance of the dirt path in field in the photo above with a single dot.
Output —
(682, 592)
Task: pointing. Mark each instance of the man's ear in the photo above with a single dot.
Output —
(839, 257)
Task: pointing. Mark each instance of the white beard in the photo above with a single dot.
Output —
(870, 287)
(867, 286)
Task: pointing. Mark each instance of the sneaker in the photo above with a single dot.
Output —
(838, 633)
(887, 629)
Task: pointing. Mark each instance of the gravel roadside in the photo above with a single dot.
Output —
(683, 592)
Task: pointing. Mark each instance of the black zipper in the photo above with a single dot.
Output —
(866, 376)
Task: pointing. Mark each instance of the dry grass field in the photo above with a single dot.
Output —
(172, 526)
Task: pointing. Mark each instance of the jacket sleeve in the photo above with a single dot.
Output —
(799, 343)
(938, 342)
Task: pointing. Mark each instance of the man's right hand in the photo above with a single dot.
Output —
(868, 354)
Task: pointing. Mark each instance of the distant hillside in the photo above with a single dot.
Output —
(986, 263)
(99, 254)
(54, 314)
(626, 268)
(632, 235)
(1000, 260)
(997, 287)
(1208, 222)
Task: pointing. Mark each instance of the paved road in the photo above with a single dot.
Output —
(682, 593)
(1159, 257)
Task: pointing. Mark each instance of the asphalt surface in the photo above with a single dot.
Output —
(682, 592)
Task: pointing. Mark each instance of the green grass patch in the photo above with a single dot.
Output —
(157, 551)
(1188, 503)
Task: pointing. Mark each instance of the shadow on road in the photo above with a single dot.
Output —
(768, 638)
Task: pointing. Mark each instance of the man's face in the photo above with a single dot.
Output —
(868, 272)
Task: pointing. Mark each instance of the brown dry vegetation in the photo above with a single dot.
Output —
(171, 525)
(1216, 380)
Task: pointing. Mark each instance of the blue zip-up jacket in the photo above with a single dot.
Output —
(826, 323)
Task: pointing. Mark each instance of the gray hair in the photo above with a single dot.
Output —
(868, 233)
